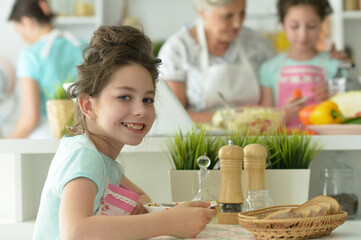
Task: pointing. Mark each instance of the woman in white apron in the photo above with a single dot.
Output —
(49, 61)
(214, 55)
(237, 82)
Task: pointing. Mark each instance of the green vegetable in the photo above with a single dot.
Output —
(355, 120)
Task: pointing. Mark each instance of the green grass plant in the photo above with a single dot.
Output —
(285, 151)
(243, 138)
(185, 149)
(60, 92)
(290, 150)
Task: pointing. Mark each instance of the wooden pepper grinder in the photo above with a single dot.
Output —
(231, 196)
(254, 167)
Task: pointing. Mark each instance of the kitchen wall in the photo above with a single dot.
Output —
(10, 42)
(160, 18)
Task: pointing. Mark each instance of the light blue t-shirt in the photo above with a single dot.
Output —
(76, 157)
(269, 72)
(54, 69)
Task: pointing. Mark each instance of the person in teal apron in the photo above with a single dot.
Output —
(87, 194)
(302, 68)
(49, 61)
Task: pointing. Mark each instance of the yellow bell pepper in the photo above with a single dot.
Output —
(326, 112)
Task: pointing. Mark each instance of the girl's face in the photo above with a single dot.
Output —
(26, 28)
(23, 31)
(124, 110)
(223, 23)
(302, 27)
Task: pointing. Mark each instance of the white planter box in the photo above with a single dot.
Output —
(286, 186)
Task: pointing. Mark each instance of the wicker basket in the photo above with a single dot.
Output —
(296, 228)
(59, 113)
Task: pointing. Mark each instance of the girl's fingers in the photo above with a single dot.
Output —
(196, 204)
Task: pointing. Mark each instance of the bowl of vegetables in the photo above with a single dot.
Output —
(326, 118)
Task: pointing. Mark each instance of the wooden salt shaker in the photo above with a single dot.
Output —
(231, 196)
(254, 167)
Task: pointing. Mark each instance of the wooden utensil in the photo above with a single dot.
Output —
(231, 195)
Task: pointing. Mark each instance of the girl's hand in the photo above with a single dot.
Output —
(320, 92)
(339, 55)
(188, 219)
(291, 112)
(139, 209)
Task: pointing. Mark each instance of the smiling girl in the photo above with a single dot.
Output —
(302, 68)
(86, 195)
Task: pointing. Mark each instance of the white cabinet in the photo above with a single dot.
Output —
(346, 29)
(81, 26)
(71, 17)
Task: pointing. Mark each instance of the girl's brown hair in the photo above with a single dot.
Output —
(111, 47)
(36, 9)
(322, 7)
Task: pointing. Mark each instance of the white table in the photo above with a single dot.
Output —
(350, 230)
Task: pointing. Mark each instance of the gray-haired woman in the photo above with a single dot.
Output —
(214, 54)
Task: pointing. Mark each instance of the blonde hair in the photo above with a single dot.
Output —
(209, 4)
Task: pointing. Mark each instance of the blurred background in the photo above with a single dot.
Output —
(161, 18)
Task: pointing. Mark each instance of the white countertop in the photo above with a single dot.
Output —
(350, 230)
(157, 144)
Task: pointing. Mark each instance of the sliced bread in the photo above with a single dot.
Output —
(309, 209)
(281, 214)
(335, 206)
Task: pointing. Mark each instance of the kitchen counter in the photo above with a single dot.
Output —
(24, 165)
(350, 230)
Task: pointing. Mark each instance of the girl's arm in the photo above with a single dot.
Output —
(266, 97)
(144, 198)
(30, 109)
(76, 219)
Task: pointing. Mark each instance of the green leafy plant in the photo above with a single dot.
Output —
(290, 151)
(294, 151)
(59, 91)
(185, 149)
(243, 138)
(156, 47)
(60, 113)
